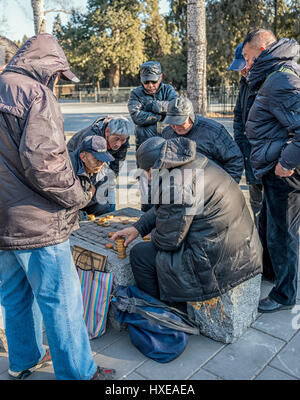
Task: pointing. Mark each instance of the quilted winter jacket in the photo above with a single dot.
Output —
(39, 193)
(213, 140)
(273, 126)
(208, 244)
(146, 121)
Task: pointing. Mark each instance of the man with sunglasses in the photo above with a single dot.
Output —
(147, 105)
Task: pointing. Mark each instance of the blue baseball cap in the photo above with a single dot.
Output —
(96, 145)
(239, 62)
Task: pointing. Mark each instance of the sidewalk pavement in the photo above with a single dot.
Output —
(268, 350)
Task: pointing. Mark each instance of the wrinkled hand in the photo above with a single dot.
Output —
(131, 233)
(279, 171)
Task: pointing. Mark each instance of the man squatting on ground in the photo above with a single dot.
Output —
(116, 132)
(273, 130)
(203, 240)
(147, 105)
(39, 202)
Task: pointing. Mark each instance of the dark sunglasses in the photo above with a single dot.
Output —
(147, 82)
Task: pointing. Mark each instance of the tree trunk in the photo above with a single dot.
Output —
(196, 63)
(39, 19)
(114, 76)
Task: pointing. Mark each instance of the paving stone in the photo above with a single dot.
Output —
(4, 363)
(122, 356)
(203, 375)
(272, 374)
(277, 324)
(288, 358)
(197, 352)
(134, 377)
(110, 337)
(245, 358)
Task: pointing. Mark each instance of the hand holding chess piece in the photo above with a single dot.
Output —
(130, 234)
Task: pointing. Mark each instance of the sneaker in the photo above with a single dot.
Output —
(103, 374)
(46, 360)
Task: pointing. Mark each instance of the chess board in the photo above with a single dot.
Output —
(99, 230)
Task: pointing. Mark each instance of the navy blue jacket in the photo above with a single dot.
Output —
(242, 107)
(143, 115)
(213, 140)
(273, 126)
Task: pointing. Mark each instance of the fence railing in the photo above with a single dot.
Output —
(220, 100)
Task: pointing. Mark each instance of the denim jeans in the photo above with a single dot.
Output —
(42, 284)
(282, 201)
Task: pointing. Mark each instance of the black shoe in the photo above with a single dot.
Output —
(45, 361)
(269, 305)
(103, 374)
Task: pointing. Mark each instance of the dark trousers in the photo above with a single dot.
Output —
(256, 200)
(282, 202)
(142, 259)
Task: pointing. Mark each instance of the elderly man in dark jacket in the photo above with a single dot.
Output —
(147, 105)
(273, 130)
(203, 240)
(88, 162)
(212, 139)
(241, 110)
(116, 131)
(39, 201)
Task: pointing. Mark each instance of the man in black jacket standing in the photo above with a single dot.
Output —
(241, 110)
(273, 130)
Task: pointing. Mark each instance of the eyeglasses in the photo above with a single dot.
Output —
(148, 82)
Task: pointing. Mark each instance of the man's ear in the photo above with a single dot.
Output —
(82, 155)
(106, 133)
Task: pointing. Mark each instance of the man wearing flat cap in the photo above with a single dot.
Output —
(147, 105)
(211, 137)
(116, 131)
(88, 161)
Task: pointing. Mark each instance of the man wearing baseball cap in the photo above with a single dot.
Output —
(147, 105)
(242, 107)
(211, 137)
(88, 161)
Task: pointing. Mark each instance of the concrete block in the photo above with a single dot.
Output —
(226, 318)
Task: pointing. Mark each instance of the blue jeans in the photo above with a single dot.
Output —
(42, 284)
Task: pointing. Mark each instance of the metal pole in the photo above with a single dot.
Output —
(275, 17)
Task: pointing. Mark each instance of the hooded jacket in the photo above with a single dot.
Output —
(141, 106)
(206, 238)
(39, 194)
(213, 140)
(98, 128)
(273, 126)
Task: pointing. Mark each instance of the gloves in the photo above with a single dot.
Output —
(153, 107)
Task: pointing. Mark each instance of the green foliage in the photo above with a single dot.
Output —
(116, 36)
